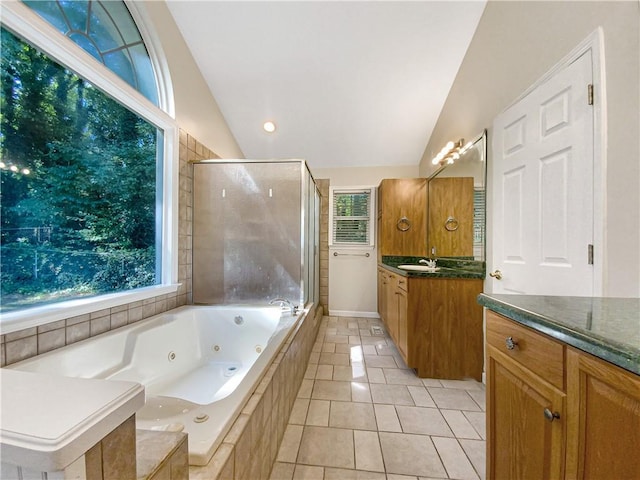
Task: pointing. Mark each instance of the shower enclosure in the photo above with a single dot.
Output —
(255, 232)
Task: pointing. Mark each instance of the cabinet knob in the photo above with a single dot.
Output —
(551, 416)
(510, 343)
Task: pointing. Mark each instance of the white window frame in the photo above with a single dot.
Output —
(372, 217)
(23, 21)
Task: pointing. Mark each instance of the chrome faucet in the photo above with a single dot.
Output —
(285, 305)
(428, 263)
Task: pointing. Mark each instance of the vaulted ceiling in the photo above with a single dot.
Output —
(347, 83)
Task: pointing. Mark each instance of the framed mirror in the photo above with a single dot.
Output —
(457, 205)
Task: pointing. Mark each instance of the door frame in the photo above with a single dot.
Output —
(594, 43)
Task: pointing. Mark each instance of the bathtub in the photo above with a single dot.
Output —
(198, 364)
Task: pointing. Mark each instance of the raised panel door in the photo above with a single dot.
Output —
(450, 224)
(521, 442)
(402, 325)
(603, 430)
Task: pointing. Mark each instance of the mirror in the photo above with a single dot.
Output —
(457, 205)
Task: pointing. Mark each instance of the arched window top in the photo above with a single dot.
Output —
(107, 31)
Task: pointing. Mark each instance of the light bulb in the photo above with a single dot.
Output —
(13, 168)
(26, 171)
(269, 127)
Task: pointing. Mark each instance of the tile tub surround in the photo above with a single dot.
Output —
(30, 342)
(361, 414)
(249, 449)
(608, 328)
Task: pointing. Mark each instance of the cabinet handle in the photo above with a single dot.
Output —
(551, 416)
(510, 343)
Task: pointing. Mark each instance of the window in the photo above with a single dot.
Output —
(351, 222)
(88, 169)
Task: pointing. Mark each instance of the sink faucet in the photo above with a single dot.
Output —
(428, 263)
(284, 305)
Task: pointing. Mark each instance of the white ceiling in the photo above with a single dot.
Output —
(347, 83)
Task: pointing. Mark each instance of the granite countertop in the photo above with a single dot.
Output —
(608, 328)
(447, 267)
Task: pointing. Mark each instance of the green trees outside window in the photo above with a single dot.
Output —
(79, 193)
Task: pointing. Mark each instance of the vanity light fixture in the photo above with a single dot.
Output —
(450, 152)
(269, 126)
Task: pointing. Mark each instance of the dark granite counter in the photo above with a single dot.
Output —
(447, 267)
(608, 328)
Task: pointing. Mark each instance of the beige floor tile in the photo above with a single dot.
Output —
(317, 347)
(480, 397)
(306, 388)
(377, 341)
(311, 371)
(454, 459)
(282, 471)
(479, 422)
(318, 413)
(368, 453)
(328, 347)
(334, 359)
(391, 394)
(354, 339)
(462, 384)
(360, 392)
(330, 390)
(356, 355)
(348, 349)
(336, 338)
(476, 450)
(355, 372)
(459, 424)
(453, 399)
(324, 372)
(406, 454)
(299, 411)
(420, 396)
(387, 418)
(308, 472)
(375, 375)
(342, 474)
(423, 421)
(431, 382)
(290, 444)
(393, 476)
(356, 416)
(330, 447)
(400, 376)
(369, 350)
(379, 361)
(386, 349)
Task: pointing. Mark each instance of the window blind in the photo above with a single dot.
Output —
(351, 217)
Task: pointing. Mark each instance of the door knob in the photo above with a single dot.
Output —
(497, 274)
(551, 416)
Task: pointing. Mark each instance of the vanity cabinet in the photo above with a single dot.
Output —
(435, 323)
(554, 411)
(402, 217)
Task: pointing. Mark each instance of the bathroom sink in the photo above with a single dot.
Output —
(418, 268)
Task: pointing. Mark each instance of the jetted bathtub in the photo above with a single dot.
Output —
(198, 364)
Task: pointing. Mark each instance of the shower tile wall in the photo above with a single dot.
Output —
(29, 342)
(323, 187)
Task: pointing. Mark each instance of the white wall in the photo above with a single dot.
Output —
(352, 279)
(196, 110)
(518, 42)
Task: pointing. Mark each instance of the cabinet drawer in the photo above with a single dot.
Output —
(537, 352)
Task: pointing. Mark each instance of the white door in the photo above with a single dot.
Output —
(543, 188)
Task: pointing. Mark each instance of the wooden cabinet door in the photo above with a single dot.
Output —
(603, 429)
(451, 217)
(521, 442)
(382, 282)
(401, 199)
(402, 324)
(391, 306)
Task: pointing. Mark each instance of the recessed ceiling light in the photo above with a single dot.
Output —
(269, 127)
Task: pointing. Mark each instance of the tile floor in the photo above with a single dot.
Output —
(360, 414)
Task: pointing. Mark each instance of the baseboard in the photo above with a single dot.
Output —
(347, 313)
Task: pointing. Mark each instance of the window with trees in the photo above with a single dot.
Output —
(83, 175)
(351, 222)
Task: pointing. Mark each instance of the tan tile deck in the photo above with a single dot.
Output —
(361, 414)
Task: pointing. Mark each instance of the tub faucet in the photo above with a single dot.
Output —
(284, 305)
